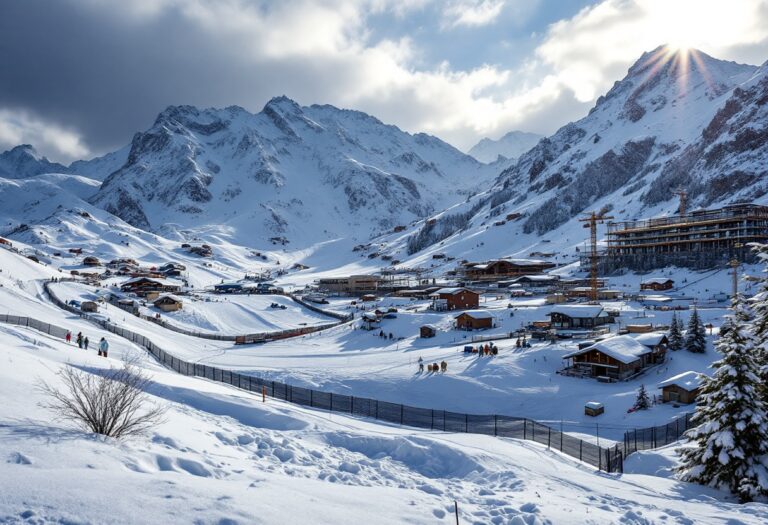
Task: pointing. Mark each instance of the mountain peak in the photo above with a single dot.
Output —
(283, 104)
(24, 161)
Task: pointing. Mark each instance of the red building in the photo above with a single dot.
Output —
(455, 299)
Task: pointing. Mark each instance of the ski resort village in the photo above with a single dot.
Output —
(289, 312)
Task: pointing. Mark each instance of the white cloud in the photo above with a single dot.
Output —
(471, 13)
(595, 47)
(50, 139)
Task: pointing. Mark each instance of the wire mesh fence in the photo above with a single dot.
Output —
(608, 459)
(655, 437)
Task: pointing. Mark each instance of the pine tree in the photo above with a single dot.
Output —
(695, 337)
(643, 402)
(675, 333)
(760, 323)
(731, 420)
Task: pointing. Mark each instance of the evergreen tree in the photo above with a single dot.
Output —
(760, 323)
(675, 335)
(643, 402)
(695, 337)
(731, 420)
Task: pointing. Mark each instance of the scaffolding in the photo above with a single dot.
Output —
(701, 239)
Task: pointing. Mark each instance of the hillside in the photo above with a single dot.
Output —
(304, 174)
(676, 120)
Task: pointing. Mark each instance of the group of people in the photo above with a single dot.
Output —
(433, 367)
(382, 334)
(482, 349)
(522, 343)
(83, 342)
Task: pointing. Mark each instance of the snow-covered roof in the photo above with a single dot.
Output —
(657, 280)
(451, 291)
(593, 405)
(580, 310)
(622, 348)
(477, 314)
(169, 296)
(689, 380)
(544, 278)
(140, 279)
(370, 317)
(650, 338)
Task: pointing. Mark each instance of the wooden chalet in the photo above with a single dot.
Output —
(455, 299)
(427, 330)
(474, 320)
(142, 285)
(504, 268)
(91, 261)
(578, 317)
(370, 321)
(536, 282)
(615, 358)
(168, 303)
(657, 284)
(682, 388)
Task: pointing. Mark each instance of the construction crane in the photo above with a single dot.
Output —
(591, 221)
(680, 192)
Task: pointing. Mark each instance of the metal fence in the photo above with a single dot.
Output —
(655, 437)
(609, 459)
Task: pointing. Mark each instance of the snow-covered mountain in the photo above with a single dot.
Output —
(302, 173)
(510, 146)
(24, 161)
(677, 120)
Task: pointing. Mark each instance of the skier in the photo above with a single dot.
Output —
(68, 337)
(103, 347)
(80, 339)
(85, 343)
(421, 364)
(443, 366)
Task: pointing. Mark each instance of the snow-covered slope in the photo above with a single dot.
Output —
(510, 146)
(303, 173)
(677, 120)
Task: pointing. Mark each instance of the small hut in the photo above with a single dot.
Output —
(91, 261)
(168, 303)
(474, 320)
(427, 330)
(89, 306)
(682, 388)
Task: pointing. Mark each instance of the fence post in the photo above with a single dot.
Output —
(653, 436)
(549, 436)
(599, 458)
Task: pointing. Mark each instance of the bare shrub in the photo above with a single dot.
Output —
(113, 403)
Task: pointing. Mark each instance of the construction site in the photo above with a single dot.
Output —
(698, 240)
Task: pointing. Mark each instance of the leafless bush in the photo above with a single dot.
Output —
(113, 403)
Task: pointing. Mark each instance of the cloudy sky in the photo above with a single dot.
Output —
(79, 77)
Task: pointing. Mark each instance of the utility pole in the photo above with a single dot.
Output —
(734, 264)
(591, 221)
(680, 192)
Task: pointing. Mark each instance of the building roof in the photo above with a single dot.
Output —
(155, 280)
(477, 314)
(622, 348)
(451, 291)
(650, 338)
(543, 278)
(657, 280)
(580, 311)
(689, 380)
(169, 296)
(593, 405)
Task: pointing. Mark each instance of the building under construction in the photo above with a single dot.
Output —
(700, 239)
